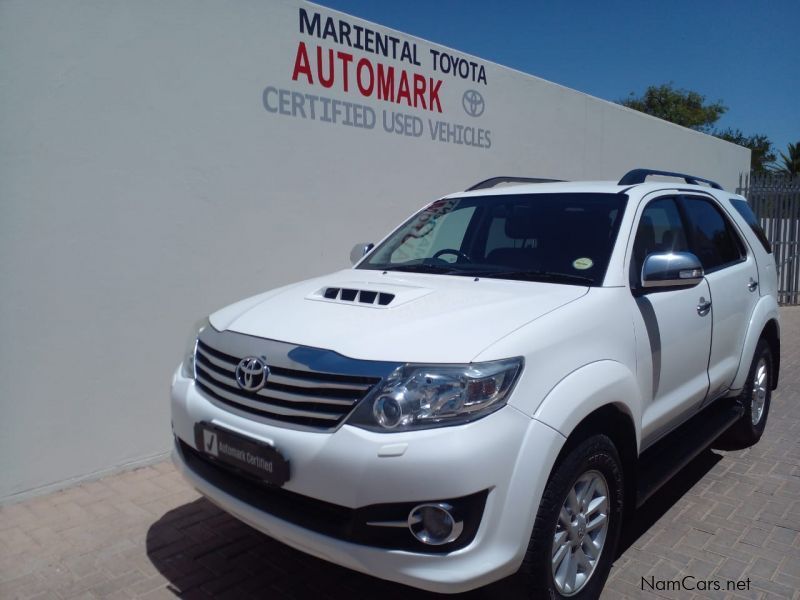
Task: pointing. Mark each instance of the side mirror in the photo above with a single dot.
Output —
(359, 251)
(671, 269)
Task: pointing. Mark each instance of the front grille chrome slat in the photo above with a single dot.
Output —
(265, 407)
(295, 381)
(267, 394)
(310, 384)
(299, 394)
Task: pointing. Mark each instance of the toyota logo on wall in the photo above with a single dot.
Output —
(252, 373)
(473, 103)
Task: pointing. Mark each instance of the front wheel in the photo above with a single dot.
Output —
(577, 526)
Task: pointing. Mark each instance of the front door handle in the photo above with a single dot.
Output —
(703, 306)
(752, 285)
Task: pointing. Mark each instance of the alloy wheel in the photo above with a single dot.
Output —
(759, 392)
(580, 533)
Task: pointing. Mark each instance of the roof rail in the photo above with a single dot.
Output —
(494, 181)
(639, 175)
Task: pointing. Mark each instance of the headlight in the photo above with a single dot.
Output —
(424, 396)
(187, 367)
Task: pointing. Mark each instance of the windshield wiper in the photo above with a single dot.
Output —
(420, 268)
(535, 276)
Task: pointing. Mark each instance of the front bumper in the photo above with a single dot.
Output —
(507, 454)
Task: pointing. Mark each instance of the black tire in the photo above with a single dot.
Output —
(595, 454)
(744, 432)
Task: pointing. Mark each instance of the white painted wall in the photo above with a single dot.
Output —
(143, 184)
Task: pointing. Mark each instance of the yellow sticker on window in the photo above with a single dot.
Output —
(582, 264)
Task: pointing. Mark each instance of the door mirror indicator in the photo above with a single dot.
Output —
(671, 269)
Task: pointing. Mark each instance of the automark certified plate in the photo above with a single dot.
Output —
(251, 456)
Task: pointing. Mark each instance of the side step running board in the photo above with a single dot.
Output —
(659, 463)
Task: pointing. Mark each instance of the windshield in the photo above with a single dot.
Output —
(565, 238)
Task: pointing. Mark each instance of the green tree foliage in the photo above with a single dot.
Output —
(690, 109)
(683, 107)
(789, 163)
(761, 152)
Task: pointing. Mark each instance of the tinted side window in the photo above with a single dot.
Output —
(660, 230)
(713, 238)
(743, 208)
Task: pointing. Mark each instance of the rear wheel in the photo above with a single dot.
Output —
(577, 526)
(755, 398)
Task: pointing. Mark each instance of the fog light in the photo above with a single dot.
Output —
(434, 524)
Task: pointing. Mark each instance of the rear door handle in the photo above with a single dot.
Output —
(703, 306)
(752, 285)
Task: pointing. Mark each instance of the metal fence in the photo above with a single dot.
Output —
(776, 201)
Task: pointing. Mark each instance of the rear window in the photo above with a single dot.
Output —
(743, 208)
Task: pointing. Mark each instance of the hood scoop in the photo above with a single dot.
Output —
(362, 296)
(369, 295)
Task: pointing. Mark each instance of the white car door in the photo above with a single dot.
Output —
(673, 324)
(732, 275)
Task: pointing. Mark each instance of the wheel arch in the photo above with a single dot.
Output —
(594, 388)
(601, 397)
(772, 334)
(764, 324)
(614, 422)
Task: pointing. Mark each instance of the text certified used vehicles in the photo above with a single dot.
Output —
(491, 388)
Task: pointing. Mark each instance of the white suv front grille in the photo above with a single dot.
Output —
(305, 398)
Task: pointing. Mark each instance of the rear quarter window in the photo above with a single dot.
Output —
(743, 208)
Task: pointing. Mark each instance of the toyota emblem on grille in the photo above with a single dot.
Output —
(252, 373)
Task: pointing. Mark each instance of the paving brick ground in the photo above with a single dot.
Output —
(730, 515)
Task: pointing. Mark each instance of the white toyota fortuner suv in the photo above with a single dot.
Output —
(493, 386)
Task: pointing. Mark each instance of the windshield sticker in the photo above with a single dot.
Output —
(582, 264)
